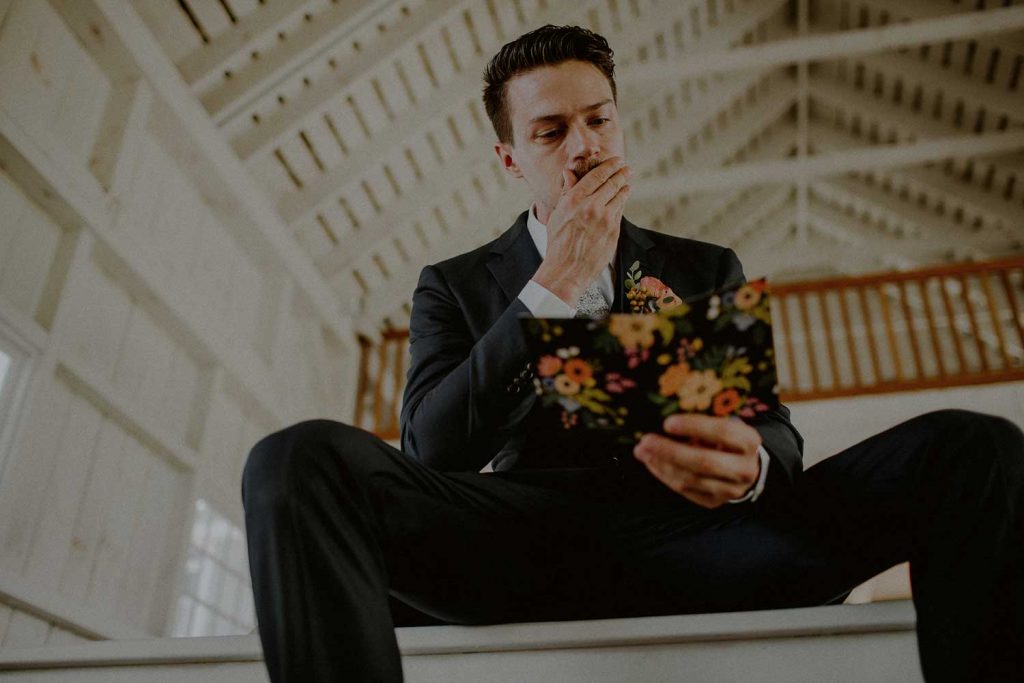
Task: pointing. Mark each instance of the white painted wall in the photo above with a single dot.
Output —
(830, 426)
(161, 317)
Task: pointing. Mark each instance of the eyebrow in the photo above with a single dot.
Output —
(559, 117)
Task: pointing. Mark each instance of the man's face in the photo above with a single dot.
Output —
(563, 117)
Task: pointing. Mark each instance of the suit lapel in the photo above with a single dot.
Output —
(634, 245)
(514, 258)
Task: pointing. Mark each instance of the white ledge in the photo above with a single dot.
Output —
(880, 617)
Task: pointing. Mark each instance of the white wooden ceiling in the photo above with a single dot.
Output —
(816, 137)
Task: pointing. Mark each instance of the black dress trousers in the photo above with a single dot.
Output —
(345, 532)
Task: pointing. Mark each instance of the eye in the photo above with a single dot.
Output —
(599, 120)
(549, 134)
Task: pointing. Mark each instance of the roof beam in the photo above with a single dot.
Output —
(838, 44)
(920, 227)
(835, 163)
(692, 117)
(234, 95)
(208, 60)
(400, 288)
(289, 118)
(993, 210)
(702, 213)
(124, 25)
(744, 215)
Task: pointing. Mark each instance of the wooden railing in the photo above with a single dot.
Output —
(381, 380)
(944, 326)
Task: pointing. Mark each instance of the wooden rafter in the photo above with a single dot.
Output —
(839, 44)
(821, 165)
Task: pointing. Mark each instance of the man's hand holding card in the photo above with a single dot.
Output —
(673, 386)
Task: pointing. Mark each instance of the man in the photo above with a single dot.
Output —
(715, 514)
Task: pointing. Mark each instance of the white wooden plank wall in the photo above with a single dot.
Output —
(21, 629)
(170, 332)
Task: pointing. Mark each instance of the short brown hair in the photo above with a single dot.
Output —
(545, 46)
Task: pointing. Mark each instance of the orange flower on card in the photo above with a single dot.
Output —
(566, 387)
(746, 297)
(549, 365)
(697, 389)
(634, 331)
(672, 379)
(578, 370)
(726, 402)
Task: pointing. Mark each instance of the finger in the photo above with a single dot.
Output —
(679, 482)
(604, 194)
(568, 180)
(599, 175)
(703, 499)
(729, 434)
(716, 488)
(711, 463)
(619, 200)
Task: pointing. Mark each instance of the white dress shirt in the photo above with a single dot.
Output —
(543, 303)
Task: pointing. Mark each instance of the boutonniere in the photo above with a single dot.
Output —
(646, 293)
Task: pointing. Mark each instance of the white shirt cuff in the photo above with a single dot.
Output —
(543, 303)
(754, 492)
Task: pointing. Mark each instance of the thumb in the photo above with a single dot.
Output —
(568, 180)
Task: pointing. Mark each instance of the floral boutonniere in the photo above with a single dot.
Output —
(647, 293)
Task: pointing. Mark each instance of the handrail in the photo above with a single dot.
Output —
(941, 326)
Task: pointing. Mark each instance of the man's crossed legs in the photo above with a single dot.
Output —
(337, 519)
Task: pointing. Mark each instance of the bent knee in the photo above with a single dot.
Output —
(280, 459)
(991, 436)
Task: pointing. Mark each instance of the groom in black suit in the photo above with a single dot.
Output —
(345, 532)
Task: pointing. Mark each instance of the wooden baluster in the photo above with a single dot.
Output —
(829, 342)
(933, 331)
(815, 386)
(993, 314)
(908, 314)
(957, 342)
(788, 337)
(1011, 296)
(974, 321)
(889, 332)
(362, 380)
(399, 346)
(850, 341)
(378, 387)
(876, 364)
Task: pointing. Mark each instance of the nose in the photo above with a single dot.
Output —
(583, 142)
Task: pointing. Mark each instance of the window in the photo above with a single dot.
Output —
(15, 365)
(216, 595)
(5, 362)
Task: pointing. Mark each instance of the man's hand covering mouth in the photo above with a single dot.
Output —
(584, 167)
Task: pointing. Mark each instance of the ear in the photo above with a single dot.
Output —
(508, 164)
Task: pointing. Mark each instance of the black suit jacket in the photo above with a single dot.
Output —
(469, 385)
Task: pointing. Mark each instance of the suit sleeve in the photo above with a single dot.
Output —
(780, 438)
(463, 397)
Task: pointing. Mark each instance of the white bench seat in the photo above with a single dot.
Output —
(868, 642)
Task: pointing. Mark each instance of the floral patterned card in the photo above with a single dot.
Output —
(622, 374)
